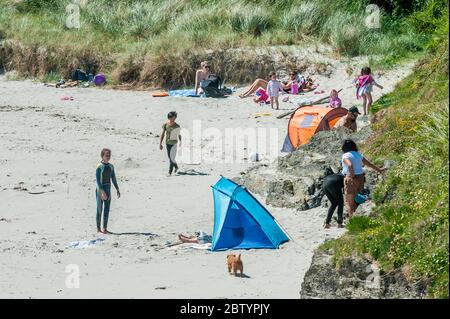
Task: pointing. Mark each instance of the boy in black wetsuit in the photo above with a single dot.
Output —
(103, 175)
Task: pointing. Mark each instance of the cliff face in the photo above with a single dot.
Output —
(295, 181)
(355, 278)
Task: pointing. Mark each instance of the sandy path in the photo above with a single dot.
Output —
(48, 145)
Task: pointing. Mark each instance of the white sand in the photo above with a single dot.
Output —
(51, 145)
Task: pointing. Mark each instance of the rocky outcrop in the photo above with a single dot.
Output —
(295, 181)
(356, 278)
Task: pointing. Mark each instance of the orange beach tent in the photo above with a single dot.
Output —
(307, 121)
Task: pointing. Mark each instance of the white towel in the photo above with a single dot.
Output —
(82, 244)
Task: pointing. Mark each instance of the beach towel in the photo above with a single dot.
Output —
(262, 95)
(185, 93)
(82, 244)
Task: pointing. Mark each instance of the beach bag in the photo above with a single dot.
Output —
(211, 86)
(79, 75)
(360, 198)
(99, 79)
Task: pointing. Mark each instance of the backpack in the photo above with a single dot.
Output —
(79, 75)
(211, 86)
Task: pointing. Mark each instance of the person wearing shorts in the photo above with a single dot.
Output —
(353, 163)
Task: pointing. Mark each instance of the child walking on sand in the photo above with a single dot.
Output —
(364, 85)
(171, 130)
(273, 89)
(104, 174)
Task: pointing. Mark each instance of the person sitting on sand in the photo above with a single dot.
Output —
(200, 75)
(349, 120)
(261, 83)
(287, 85)
(104, 174)
(200, 237)
(335, 101)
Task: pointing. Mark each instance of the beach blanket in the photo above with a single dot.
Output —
(185, 93)
(82, 244)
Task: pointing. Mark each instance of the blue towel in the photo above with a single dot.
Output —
(186, 93)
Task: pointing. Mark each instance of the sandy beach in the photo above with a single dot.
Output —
(49, 149)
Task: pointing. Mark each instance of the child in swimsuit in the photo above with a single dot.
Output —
(364, 84)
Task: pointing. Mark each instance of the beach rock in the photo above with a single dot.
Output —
(295, 181)
(356, 278)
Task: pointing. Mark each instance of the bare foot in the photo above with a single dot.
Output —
(105, 231)
(340, 226)
(326, 226)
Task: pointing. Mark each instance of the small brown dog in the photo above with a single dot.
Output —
(235, 264)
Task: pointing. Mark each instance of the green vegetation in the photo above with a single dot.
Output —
(157, 42)
(410, 228)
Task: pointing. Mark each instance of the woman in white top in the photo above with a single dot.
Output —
(200, 75)
(353, 164)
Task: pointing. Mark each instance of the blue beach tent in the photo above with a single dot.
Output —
(240, 221)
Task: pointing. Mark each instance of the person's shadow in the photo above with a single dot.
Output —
(192, 172)
(134, 234)
(243, 276)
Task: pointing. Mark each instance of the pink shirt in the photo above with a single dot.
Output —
(365, 79)
(335, 102)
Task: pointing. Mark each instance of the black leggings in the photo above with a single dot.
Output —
(173, 164)
(332, 186)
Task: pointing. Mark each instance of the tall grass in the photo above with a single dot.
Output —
(190, 26)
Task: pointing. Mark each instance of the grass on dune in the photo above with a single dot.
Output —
(131, 28)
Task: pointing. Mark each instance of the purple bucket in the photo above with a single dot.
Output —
(99, 79)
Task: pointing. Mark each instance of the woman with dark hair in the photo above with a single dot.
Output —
(353, 171)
